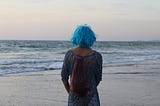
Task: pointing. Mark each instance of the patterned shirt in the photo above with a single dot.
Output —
(94, 61)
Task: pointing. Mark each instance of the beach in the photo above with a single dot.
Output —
(132, 84)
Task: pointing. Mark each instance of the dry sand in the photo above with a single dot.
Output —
(121, 86)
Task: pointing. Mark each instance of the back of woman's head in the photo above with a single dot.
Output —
(83, 36)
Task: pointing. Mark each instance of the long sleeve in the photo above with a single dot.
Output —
(65, 68)
(98, 70)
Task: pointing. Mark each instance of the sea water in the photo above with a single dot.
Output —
(39, 55)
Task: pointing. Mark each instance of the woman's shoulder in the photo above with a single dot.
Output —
(69, 52)
(97, 53)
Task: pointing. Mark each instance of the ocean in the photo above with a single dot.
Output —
(39, 55)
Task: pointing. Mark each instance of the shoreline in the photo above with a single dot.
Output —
(111, 65)
(44, 88)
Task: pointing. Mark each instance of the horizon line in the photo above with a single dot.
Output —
(68, 40)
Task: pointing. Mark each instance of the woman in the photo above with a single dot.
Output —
(84, 39)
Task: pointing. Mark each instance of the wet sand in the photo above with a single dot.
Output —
(133, 84)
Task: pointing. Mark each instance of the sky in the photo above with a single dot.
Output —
(111, 20)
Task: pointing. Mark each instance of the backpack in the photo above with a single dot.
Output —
(80, 82)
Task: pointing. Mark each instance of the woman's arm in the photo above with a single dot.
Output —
(65, 72)
(66, 85)
(99, 69)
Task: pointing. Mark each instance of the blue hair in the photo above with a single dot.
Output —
(83, 36)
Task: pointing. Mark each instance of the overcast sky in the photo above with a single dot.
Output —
(57, 19)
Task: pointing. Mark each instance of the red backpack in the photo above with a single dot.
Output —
(81, 77)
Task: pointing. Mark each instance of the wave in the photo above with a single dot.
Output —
(23, 56)
(8, 69)
(26, 61)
